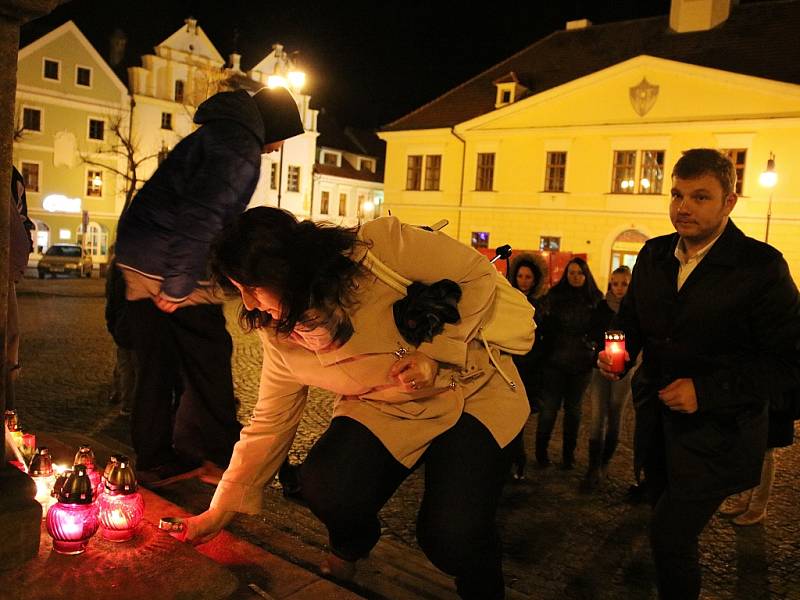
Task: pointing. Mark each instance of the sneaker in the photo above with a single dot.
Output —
(735, 505)
(751, 517)
(167, 473)
(289, 478)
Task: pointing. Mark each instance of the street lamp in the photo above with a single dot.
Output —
(286, 72)
(768, 179)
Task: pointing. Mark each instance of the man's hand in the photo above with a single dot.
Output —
(168, 306)
(604, 365)
(680, 396)
(414, 371)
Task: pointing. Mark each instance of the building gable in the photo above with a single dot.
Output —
(69, 48)
(193, 41)
(646, 90)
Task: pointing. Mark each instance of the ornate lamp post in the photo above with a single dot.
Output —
(768, 179)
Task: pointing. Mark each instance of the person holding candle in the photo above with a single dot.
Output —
(325, 319)
(718, 317)
(563, 321)
(608, 398)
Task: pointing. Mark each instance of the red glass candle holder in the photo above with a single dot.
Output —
(85, 456)
(615, 350)
(72, 521)
(121, 507)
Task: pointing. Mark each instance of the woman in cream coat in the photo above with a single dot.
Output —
(325, 320)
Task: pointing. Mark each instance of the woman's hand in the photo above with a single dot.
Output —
(205, 526)
(414, 371)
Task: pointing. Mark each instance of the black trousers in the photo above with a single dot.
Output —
(349, 475)
(189, 349)
(675, 527)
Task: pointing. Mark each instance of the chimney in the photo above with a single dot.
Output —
(578, 24)
(235, 61)
(697, 15)
(191, 25)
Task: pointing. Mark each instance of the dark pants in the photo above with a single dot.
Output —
(349, 475)
(191, 343)
(557, 387)
(674, 530)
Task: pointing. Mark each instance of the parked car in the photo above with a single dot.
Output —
(65, 259)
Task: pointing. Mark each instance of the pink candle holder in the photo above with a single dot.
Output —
(72, 521)
(85, 456)
(615, 349)
(121, 506)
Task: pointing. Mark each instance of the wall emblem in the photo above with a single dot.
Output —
(643, 96)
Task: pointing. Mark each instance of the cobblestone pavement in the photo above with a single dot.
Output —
(558, 544)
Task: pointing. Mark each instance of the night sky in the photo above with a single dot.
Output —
(368, 63)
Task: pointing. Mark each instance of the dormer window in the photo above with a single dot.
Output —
(509, 90)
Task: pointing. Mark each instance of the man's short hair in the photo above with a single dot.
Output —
(706, 161)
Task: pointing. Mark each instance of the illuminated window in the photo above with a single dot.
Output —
(52, 69)
(273, 177)
(651, 180)
(64, 234)
(83, 76)
(342, 205)
(414, 172)
(433, 169)
(480, 239)
(30, 176)
(555, 171)
(293, 179)
(324, 203)
(738, 156)
(94, 183)
(179, 90)
(549, 243)
(31, 119)
(97, 129)
(166, 120)
(622, 181)
(484, 179)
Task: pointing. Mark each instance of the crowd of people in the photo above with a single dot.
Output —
(711, 319)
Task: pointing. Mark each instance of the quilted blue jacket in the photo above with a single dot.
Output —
(204, 183)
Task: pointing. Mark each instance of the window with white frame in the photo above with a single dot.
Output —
(94, 183)
(484, 176)
(342, 205)
(166, 120)
(433, 169)
(30, 175)
(97, 129)
(738, 157)
(651, 172)
(273, 177)
(324, 202)
(31, 119)
(51, 69)
(83, 76)
(414, 172)
(366, 164)
(555, 172)
(549, 243)
(293, 179)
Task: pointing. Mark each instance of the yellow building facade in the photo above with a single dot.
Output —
(585, 166)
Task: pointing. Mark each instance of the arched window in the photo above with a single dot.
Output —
(40, 236)
(96, 239)
(626, 248)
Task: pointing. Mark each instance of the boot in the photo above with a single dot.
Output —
(542, 442)
(757, 509)
(592, 478)
(736, 504)
(609, 448)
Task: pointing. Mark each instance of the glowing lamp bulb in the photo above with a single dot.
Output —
(72, 521)
(275, 81)
(120, 506)
(297, 79)
(615, 349)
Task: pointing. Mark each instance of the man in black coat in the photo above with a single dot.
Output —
(717, 316)
(175, 317)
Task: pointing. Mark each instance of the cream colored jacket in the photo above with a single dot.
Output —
(405, 423)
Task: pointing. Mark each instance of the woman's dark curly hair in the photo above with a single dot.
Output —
(307, 265)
